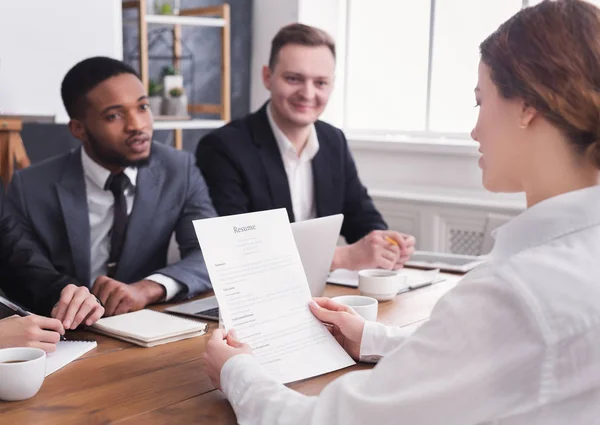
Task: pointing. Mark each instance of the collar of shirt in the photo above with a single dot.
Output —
(287, 148)
(547, 220)
(97, 174)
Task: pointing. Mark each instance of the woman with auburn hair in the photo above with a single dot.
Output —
(518, 340)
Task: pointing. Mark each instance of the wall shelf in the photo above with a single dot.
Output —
(186, 20)
(187, 124)
(212, 16)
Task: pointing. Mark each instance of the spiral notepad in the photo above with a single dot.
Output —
(148, 328)
(66, 352)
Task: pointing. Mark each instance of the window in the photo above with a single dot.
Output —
(412, 64)
(460, 26)
(594, 2)
(386, 71)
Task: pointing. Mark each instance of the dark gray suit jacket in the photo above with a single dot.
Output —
(25, 275)
(49, 202)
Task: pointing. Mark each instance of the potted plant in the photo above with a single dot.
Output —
(175, 103)
(155, 96)
(172, 78)
(166, 7)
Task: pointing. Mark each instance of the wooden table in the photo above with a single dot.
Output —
(120, 383)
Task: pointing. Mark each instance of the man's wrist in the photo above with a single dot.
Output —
(340, 257)
(152, 291)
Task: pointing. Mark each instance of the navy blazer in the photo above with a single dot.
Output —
(244, 171)
(49, 201)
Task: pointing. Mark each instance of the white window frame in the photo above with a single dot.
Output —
(431, 140)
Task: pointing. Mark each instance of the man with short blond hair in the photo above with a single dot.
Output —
(282, 156)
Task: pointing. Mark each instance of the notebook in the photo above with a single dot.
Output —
(66, 352)
(148, 328)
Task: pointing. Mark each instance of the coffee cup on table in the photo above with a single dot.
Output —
(22, 372)
(383, 285)
(364, 306)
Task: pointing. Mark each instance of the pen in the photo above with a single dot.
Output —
(390, 240)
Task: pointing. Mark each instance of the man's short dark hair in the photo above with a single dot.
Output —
(302, 35)
(86, 75)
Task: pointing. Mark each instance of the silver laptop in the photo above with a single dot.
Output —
(316, 240)
(445, 262)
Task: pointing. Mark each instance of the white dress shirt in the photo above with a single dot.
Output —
(298, 169)
(100, 209)
(517, 342)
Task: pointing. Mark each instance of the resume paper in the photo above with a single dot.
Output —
(263, 294)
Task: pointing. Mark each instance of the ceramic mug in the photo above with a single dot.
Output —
(383, 285)
(22, 372)
(364, 306)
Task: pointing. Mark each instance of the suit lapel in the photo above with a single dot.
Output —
(268, 151)
(150, 180)
(73, 202)
(322, 168)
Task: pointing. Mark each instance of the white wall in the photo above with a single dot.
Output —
(267, 17)
(432, 191)
(40, 40)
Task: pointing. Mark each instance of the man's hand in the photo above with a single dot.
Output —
(220, 348)
(30, 331)
(120, 298)
(76, 306)
(406, 243)
(385, 249)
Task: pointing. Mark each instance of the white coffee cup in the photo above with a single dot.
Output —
(364, 306)
(383, 285)
(22, 372)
